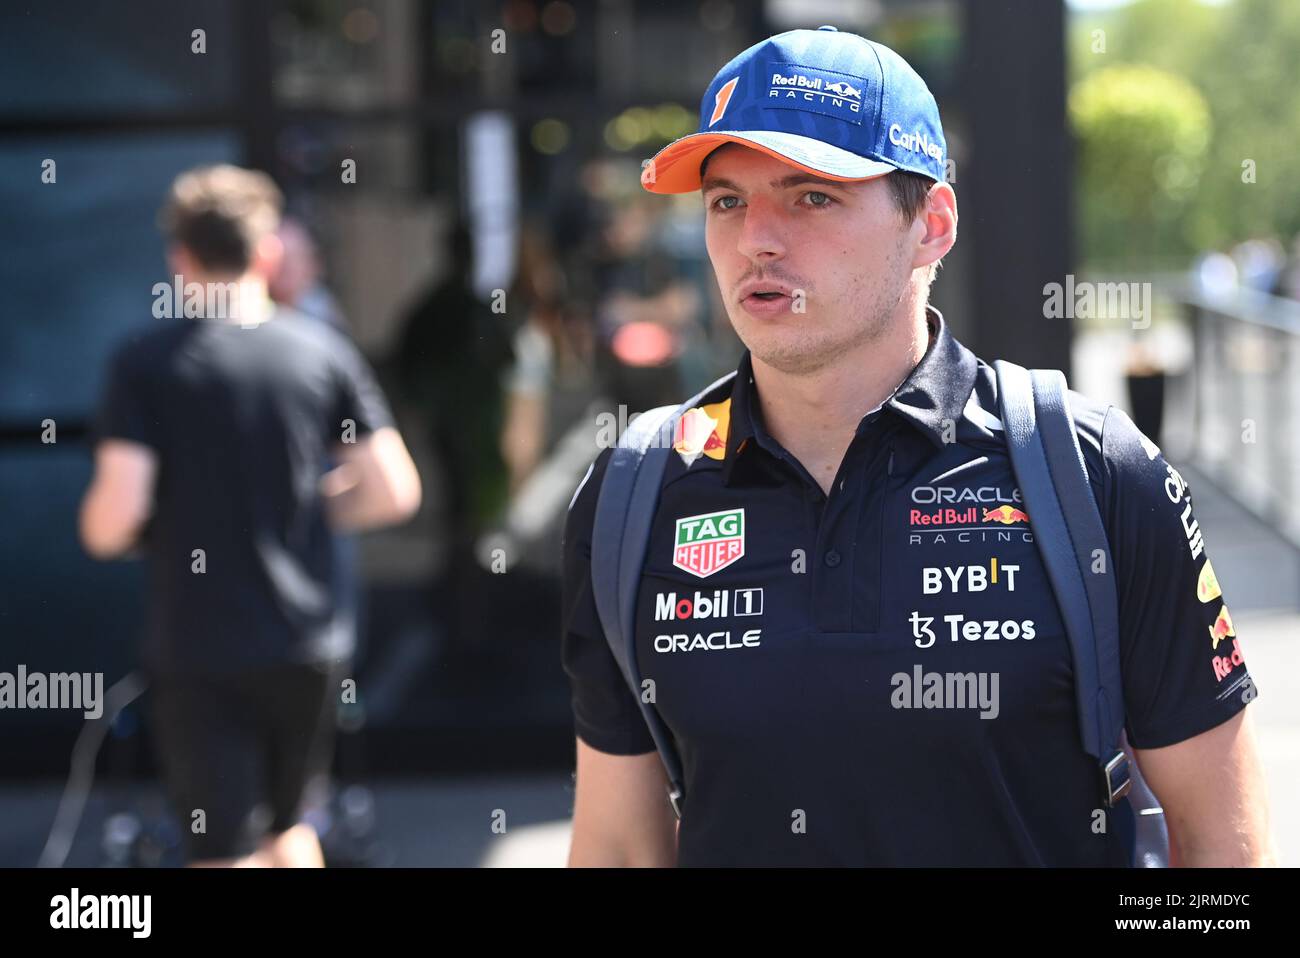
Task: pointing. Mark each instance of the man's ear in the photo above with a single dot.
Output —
(179, 261)
(938, 223)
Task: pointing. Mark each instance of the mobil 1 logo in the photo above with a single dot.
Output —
(719, 604)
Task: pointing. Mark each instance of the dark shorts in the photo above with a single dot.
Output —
(243, 748)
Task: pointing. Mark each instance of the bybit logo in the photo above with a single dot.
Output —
(977, 577)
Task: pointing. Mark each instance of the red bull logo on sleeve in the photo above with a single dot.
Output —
(703, 431)
(1222, 627)
(1207, 585)
(1224, 664)
(706, 543)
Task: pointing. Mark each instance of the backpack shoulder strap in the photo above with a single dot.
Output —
(1071, 537)
(625, 511)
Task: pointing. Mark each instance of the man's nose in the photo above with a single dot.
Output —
(762, 237)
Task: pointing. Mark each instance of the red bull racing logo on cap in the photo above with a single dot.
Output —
(799, 87)
(705, 543)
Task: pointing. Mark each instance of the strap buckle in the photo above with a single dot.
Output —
(676, 799)
(1116, 780)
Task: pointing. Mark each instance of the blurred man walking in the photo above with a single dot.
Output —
(211, 454)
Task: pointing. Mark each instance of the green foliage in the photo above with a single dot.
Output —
(1243, 58)
(1142, 137)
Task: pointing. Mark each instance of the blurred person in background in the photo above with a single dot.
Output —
(1287, 282)
(1259, 261)
(552, 355)
(451, 359)
(1215, 274)
(642, 308)
(298, 281)
(208, 456)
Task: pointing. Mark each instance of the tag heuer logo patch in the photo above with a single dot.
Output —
(704, 544)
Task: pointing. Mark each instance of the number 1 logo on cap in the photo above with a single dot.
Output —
(722, 98)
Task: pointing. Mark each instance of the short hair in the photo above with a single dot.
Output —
(220, 213)
(908, 190)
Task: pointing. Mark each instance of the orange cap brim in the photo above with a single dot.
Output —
(676, 168)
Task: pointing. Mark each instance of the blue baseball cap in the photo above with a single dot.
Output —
(833, 104)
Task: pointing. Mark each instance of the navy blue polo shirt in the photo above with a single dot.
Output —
(881, 676)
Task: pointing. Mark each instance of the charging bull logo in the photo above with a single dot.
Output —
(844, 90)
(1006, 515)
(1222, 627)
(703, 431)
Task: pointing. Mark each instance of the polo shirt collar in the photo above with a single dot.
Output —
(935, 392)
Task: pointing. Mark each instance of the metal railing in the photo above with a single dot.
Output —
(1245, 393)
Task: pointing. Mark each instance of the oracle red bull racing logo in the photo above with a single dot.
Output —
(1006, 512)
(706, 543)
(964, 514)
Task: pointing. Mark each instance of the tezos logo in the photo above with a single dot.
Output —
(709, 542)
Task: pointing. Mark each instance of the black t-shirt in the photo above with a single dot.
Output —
(793, 637)
(243, 421)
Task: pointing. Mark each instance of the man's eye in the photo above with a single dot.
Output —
(816, 198)
(722, 202)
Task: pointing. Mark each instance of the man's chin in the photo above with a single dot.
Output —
(791, 354)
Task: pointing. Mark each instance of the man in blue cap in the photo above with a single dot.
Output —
(849, 498)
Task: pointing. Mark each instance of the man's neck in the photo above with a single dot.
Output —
(815, 415)
(244, 300)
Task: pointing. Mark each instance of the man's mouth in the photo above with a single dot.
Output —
(766, 301)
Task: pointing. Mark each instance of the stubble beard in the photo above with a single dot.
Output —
(810, 343)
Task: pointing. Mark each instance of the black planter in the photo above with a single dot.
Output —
(1146, 395)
